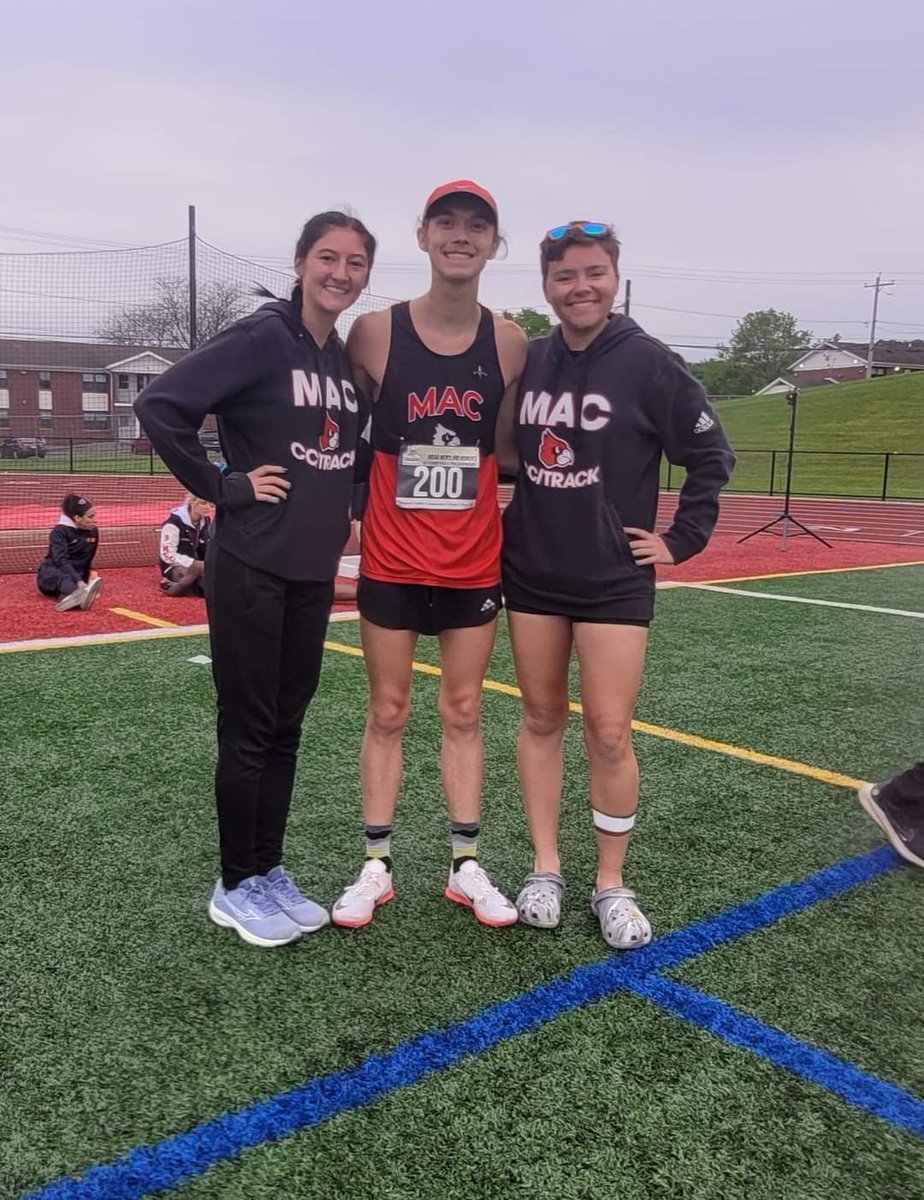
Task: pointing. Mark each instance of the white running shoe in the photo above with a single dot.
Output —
(94, 587)
(359, 901)
(74, 599)
(471, 885)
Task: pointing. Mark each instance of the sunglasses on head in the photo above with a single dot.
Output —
(591, 228)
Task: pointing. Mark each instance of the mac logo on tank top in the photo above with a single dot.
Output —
(428, 405)
(590, 412)
(308, 391)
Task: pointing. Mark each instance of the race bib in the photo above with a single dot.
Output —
(437, 476)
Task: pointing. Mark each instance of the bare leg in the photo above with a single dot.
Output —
(465, 654)
(542, 651)
(389, 654)
(612, 658)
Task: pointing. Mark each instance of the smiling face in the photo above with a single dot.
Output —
(333, 272)
(460, 237)
(581, 287)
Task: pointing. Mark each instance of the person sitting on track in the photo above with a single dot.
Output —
(599, 403)
(65, 571)
(184, 539)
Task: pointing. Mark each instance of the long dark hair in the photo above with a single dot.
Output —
(74, 505)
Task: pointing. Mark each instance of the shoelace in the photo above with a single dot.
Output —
(367, 885)
(479, 883)
(284, 887)
(262, 901)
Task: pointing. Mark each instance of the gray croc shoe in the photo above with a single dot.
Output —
(539, 901)
(623, 924)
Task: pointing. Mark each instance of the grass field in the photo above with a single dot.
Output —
(127, 1019)
(843, 434)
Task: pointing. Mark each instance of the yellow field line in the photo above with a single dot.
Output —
(661, 731)
(144, 618)
(796, 574)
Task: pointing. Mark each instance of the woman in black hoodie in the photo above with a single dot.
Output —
(66, 570)
(599, 403)
(290, 424)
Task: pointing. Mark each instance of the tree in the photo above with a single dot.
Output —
(719, 377)
(164, 320)
(534, 324)
(763, 345)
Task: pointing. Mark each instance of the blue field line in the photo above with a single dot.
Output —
(845, 1079)
(183, 1157)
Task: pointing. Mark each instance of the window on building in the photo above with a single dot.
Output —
(46, 408)
(123, 383)
(95, 409)
(96, 383)
(44, 380)
(4, 400)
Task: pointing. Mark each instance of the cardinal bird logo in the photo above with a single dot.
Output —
(554, 451)
(330, 437)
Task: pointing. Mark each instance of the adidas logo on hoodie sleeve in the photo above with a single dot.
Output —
(704, 424)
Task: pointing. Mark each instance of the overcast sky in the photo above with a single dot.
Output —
(726, 139)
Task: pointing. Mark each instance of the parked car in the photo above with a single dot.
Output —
(141, 445)
(18, 447)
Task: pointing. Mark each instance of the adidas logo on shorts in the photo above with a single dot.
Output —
(488, 606)
(704, 424)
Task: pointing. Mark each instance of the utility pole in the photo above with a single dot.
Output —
(877, 288)
(193, 296)
(625, 307)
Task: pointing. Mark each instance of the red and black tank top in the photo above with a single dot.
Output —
(432, 516)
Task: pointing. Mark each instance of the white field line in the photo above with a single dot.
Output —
(892, 612)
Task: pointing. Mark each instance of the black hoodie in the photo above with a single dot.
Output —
(280, 399)
(591, 427)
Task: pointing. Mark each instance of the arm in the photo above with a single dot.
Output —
(511, 351)
(367, 348)
(693, 439)
(57, 548)
(169, 543)
(173, 406)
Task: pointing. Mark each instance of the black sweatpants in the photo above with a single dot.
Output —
(267, 637)
(57, 581)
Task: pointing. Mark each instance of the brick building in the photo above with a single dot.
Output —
(840, 362)
(79, 390)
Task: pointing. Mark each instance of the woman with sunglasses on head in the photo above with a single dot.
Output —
(599, 402)
(290, 424)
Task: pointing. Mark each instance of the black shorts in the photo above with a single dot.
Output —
(425, 609)
(628, 610)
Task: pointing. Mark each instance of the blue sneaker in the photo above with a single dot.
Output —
(307, 915)
(252, 912)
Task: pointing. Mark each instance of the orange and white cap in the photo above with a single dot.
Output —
(461, 187)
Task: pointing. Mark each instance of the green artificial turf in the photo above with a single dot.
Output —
(126, 1017)
(618, 1100)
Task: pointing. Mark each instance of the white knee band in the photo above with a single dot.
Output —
(608, 824)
